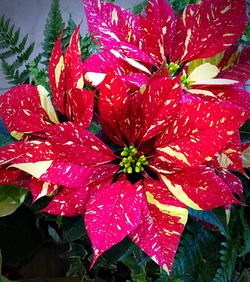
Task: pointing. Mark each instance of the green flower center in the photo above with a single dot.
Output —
(185, 81)
(173, 68)
(130, 160)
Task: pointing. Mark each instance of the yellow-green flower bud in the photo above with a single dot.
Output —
(137, 169)
(130, 162)
(124, 153)
(124, 160)
(172, 68)
(129, 158)
(133, 151)
(129, 170)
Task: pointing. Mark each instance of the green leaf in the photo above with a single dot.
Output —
(94, 128)
(75, 256)
(7, 54)
(118, 252)
(164, 277)
(137, 262)
(245, 132)
(73, 228)
(5, 139)
(76, 250)
(26, 54)
(11, 197)
(217, 217)
(138, 273)
(245, 127)
(71, 25)
(41, 203)
(16, 37)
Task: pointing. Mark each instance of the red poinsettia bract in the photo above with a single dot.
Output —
(135, 44)
(162, 140)
(162, 148)
(28, 109)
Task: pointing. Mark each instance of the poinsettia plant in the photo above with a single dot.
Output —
(141, 134)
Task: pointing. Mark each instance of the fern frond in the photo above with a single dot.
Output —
(246, 233)
(71, 26)
(7, 54)
(22, 44)
(53, 27)
(14, 48)
(179, 5)
(13, 75)
(9, 39)
(140, 7)
(88, 46)
(38, 76)
(228, 258)
(197, 256)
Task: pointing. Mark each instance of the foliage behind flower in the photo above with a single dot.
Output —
(168, 138)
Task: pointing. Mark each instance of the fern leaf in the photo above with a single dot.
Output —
(26, 54)
(22, 78)
(13, 75)
(38, 76)
(6, 24)
(198, 254)
(11, 30)
(7, 54)
(16, 37)
(71, 25)
(3, 45)
(140, 7)
(12, 46)
(53, 27)
(228, 258)
(88, 46)
(22, 44)
(180, 4)
(246, 233)
(10, 38)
